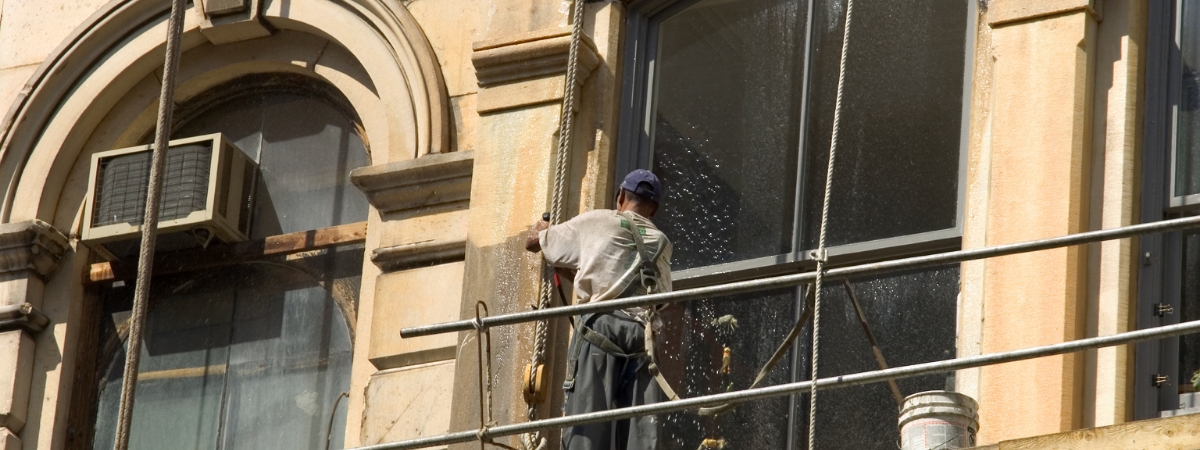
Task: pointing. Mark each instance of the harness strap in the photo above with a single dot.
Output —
(652, 365)
(649, 278)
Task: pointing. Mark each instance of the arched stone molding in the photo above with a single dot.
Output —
(105, 77)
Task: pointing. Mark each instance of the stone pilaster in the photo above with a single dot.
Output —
(422, 205)
(1040, 157)
(29, 253)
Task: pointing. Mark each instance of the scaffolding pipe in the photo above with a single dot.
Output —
(760, 284)
(842, 381)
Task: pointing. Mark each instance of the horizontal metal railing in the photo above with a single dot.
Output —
(684, 295)
(842, 381)
(761, 284)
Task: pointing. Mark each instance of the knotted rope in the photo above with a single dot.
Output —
(535, 441)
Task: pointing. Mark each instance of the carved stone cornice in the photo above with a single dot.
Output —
(433, 179)
(530, 55)
(419, 254)
(22, 317)
(33, 246)
(528, 68)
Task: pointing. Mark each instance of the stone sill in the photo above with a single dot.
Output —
(433, 179)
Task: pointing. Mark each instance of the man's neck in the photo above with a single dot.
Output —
(636, 209)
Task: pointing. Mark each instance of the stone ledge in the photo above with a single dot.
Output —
(1002, 12)
(22, 317)
(31, 245)
(9, 440)
(419, 254)
(433, 179)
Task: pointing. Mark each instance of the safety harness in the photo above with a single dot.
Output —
(648, 277)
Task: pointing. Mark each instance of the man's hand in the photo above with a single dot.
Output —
(533, 243)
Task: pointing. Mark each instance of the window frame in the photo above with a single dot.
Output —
(1159, 275)
(1175, 203)
(85, 406)
(634, 151)
(636, 127)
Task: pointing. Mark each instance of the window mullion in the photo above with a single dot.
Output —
(798, 214)
(802, 145)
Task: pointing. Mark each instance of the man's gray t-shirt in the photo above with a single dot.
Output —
(599, 245)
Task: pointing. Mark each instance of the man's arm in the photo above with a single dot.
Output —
(533, 243)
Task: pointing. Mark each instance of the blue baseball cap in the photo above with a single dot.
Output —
(644, 183)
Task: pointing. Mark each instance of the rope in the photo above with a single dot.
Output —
(534, 441)
(821, 254)
(162, 134)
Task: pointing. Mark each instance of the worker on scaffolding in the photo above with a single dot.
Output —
(613, 253)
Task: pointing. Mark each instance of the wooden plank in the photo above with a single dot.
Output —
(224, 254)
(1171, 433)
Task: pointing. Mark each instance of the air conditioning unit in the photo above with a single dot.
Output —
(207, 193)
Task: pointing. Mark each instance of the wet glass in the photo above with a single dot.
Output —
(252, 356)
(726, 128)
(899, 135)
(912, 315)
(751, 326)
(305, 149)
(1187, 149)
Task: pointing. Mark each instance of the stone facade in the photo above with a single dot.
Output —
(460, 102)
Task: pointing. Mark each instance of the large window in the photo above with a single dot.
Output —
(731, 103)
(1169, 279)
(251, 354)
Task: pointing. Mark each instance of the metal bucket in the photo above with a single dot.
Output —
(938, 420)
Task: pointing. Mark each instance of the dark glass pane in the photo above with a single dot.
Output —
(912, 316)
(251, 356)
(305, 149)
(898, 152)
(726, 128)
(1187, 152)
(1189, 344)
(694, 344)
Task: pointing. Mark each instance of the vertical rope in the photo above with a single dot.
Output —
(821, 254)
(566, 124)
(162, 134)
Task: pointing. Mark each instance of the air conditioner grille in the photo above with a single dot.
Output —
(121, 185)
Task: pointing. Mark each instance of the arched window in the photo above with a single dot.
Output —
(252, 353)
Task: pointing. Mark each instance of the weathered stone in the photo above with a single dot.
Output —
(12, 81)
(32, 246)
(527, 69)
(465, 114)
(1040, 159)
(426, 253)
(16, 369)
(451, 26)
(408, 403)
(227, 21)
(427, 181)
(9, 440)
(409, 298)
(445, 222)
(32, 29)
(1006, 11)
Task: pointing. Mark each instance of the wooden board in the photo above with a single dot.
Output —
(1171, 433)
(225, 254)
